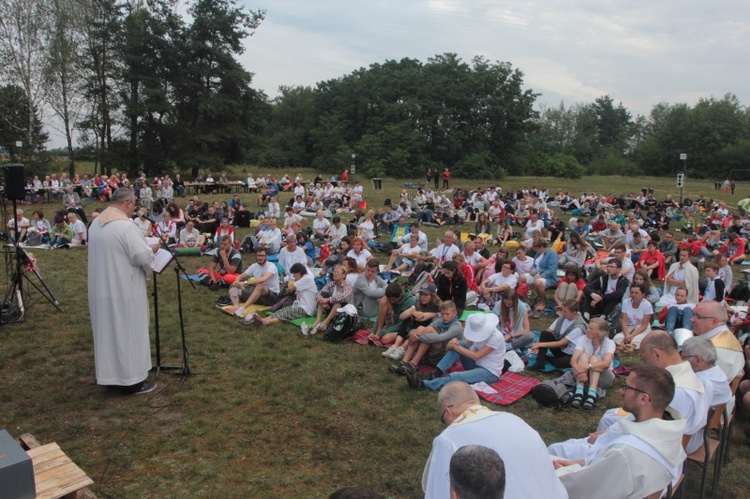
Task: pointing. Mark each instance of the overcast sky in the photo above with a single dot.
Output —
(638, 52)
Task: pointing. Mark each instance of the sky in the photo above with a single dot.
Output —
(638, 52)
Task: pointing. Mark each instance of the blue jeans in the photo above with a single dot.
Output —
(472, 373)
(682, 317)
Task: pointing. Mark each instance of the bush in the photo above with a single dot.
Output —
(273, 158)
(612, 165)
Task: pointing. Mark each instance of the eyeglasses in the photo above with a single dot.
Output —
(700, 317)
(442, 414)
(627, 387)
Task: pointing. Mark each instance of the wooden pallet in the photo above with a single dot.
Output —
(55, 474)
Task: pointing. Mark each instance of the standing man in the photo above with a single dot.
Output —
(118, 300)
(529, 469)
(446, 178)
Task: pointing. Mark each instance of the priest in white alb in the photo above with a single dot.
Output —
(119, 262)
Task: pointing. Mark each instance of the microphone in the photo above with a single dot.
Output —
(143, 215)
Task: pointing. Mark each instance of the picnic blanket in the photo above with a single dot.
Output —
(466, 313)
(361, 338)
(193, 277)
(250, 309)
(303, 320)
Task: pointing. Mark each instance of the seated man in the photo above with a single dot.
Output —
(369, 289)
(258, 284)
(604, 293)
(18, 226)
(659, 349)
(668, 247)
(404, 257)
(710, 321)
(701, 354)
(632, 458)
(544, 271)
(390, 307)
(679, 315)
(529, 470)
(477, 471)
(225, 267)
(560, 338)
(430, 340)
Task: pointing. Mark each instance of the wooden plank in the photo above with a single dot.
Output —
(55, 473)
(29, 441)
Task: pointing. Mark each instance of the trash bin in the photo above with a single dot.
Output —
(377, 184)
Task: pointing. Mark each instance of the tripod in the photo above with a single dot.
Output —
(184, 369)
(21, 261)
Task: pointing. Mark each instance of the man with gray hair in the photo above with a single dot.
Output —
(710, 321)
(444, 252)
(529, 469)
(701, 354)
(477, 472)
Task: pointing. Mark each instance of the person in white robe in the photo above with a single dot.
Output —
(701, 354)
(529, 470)
(119, 263)
(659, 349)
(710, 321)
(631, 459)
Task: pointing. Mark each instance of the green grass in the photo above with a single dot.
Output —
(280, 416)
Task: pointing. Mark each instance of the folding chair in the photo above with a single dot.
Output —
(711, 447)
(729, 420)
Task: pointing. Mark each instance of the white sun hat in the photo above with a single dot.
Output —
(479, 327)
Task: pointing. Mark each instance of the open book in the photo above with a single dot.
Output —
(162, 257)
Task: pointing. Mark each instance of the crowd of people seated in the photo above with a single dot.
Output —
(607, 271)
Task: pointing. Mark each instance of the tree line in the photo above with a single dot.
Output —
(139, 87)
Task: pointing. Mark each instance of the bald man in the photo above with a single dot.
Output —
(529, 470)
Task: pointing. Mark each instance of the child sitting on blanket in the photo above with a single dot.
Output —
(430, 339)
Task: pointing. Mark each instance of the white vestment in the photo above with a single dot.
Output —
(730, 359)
(690, 399)
(119, 262)
(528, 469)
(630, 460)
(717, 387)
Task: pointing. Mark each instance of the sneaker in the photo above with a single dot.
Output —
(317, 329)
(304, 329)
(147, 387)
(388, 352)
(397, 354)
(483, 307)
(240, 312)
(414, 381)
(395, 367)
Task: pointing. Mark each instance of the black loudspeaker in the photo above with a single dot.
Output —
(15, 182)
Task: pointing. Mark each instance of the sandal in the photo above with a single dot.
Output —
(577, 400)
(589, 403)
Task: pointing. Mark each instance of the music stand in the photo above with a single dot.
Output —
(183, 370)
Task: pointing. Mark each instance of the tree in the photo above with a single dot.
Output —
(613, 125)
(23, 25)
(15, 117)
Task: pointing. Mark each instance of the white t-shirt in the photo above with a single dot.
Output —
(362, 258)
(635, 315)
(444, 253)
(585, 345)
(306, 292)
(78, 228)
(407, 249)
(495, 361)
(338, 232)
(474, 259)
(257, 271)
(523, 266)
(368, 230)
(532, 226)
(320, 225)
(500, 280)
(572, 336)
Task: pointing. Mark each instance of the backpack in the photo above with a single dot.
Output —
(552, 393)
(342, 326)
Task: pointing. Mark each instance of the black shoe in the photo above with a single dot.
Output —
(415, 382)
(537, 366)
(140, 388)
(589, 403)
(396, 368)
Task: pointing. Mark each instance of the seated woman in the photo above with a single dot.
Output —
(481, 226)
(652, 292)
(514, 320)
(482, 354)
(491, 290)
(592, 364)
(571, 286)
(504, 232)
(576, 251)
(502, 254)
(636, 317)
(425, 309)
(468, 272)
(330, 298)
(304, 289)
(309, 248)
(61, 234)
(225, 229)
(560, 338)
(366, 228)
(427, 344)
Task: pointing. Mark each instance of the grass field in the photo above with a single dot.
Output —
(279, 415)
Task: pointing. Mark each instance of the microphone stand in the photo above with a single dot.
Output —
(184, 369)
